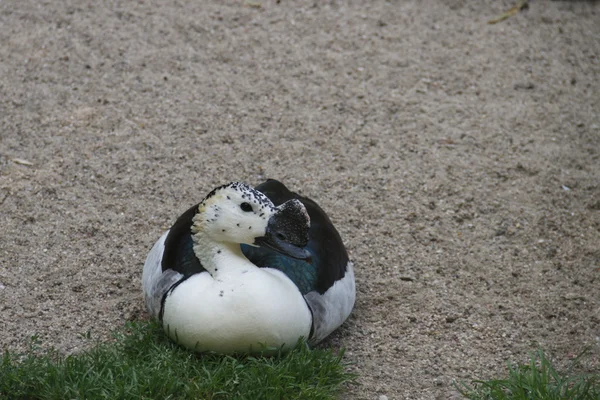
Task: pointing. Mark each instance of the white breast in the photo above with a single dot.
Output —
(240, 313)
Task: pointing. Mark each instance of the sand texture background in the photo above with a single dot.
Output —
(459, 161)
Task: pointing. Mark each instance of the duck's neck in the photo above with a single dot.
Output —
(219, 258)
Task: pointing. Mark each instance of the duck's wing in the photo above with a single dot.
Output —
(170, 262)
(327, 283)
(179, 246)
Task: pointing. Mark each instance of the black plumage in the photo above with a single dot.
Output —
(179, 247)
(329, 256)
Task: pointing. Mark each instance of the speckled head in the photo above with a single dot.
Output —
(237, 213)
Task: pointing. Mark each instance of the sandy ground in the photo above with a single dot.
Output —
(459, 160)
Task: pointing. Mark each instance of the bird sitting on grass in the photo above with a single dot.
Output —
(249, 270)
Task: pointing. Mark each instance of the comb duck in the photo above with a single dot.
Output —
(249, 269)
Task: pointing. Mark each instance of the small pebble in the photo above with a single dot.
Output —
(383, 397)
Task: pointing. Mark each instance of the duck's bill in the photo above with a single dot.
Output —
(287, 231)
(287, 249)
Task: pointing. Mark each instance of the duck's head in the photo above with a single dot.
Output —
(237, 213)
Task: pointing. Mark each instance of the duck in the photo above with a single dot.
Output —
(249, 270)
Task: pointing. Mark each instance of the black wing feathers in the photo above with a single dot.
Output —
(179, 246)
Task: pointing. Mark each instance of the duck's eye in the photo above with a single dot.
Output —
(246, 207)
(281, 236)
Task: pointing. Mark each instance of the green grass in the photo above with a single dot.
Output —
(141, 363)
(538, 380)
